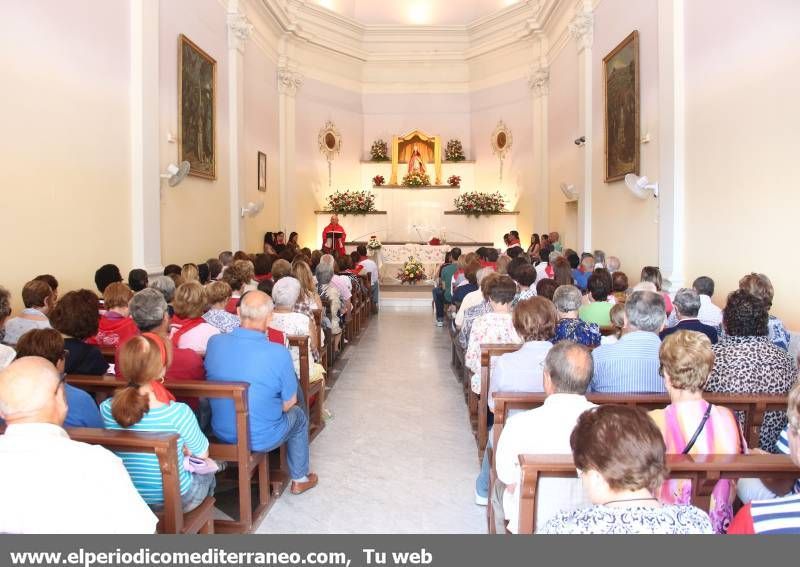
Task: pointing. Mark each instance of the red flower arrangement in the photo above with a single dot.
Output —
(353, 202)
(477, 203)
(378, 180)
(454, 181)
(435, 242)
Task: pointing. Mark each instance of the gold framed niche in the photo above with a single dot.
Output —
(429, 146)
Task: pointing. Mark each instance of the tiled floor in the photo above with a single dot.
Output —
(398, 455)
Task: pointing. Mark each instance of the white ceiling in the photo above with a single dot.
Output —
(415, 12)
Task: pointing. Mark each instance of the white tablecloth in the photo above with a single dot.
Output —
(391, 257)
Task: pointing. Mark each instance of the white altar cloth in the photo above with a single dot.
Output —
(391, 257)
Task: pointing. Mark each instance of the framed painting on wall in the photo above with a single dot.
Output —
(262, 171)
(621, 112)
(197, 77)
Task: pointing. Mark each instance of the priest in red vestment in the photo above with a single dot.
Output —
(338, 245)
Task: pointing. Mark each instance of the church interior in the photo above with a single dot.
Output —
(151, 133)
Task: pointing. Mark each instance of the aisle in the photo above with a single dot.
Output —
(398, 455)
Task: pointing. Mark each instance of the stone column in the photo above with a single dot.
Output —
(581, 28)
(239, 31)
(672, 142)
(539, 81)
(289, 81)
(144, 123)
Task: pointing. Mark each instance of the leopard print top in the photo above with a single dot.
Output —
(753, 365)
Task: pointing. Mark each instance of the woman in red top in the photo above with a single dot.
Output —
(115, 326)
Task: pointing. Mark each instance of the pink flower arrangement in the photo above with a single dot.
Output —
(353, 202)
(477, 203)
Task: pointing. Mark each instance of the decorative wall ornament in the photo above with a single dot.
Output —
(289, 79)
(581, 28)
(539, 80)
(330, 144)
(239, 30)
(197, 97)
(621, 108)
(501, 143)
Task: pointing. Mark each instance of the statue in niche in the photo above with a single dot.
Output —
(415, 162)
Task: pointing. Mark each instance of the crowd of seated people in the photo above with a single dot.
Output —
(636, 339)
(197, 321)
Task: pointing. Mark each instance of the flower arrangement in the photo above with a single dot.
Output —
(412, 271)
(453, 151)
(378, 180)
(373, 243)
(352, 202)
(477, 203)
(454, 181)
(435, 241)
(416, 179)
(379, 151)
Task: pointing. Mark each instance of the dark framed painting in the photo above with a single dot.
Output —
(262, 171)
(621, 112)
(197, 97)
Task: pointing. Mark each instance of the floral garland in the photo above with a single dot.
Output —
(412, 271)
(373, 243)
(477, 203)
(379, 151)
(416, 179)
(353, 202)
(454, 151)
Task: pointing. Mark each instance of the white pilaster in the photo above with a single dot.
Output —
(672, 141)
(289, 81)
(581, 27)
(144, 116)
(539, 82)
(239, 31)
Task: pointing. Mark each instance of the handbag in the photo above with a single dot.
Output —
(700, 427)
(196, 465)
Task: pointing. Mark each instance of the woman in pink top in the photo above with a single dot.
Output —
(188, 329)
(690, 425)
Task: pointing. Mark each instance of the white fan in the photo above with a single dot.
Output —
(569, 192)
(176, 173)
(640, 186)
(252, 209)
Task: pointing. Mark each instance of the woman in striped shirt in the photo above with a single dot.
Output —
(143, 360)
(690, 425)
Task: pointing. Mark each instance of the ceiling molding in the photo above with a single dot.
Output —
(493, 49)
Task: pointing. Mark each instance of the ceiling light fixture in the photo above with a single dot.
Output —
(419, 12)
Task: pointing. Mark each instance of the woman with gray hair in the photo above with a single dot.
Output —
(285, 293)
(568, 300)
(332, 313)
(166, 286)
(7, 353)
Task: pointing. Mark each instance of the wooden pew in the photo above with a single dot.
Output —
(703, 470)
(367, 279)
(316, 422)
(754, 406)
(171, 520)
(323, 348)
(249, 463)
(482, 403)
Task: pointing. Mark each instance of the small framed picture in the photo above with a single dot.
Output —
(262, 171)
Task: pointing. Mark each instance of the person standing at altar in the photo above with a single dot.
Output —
(513, 241)
(330, 244)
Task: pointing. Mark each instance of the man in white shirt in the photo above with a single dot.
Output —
(546, 430)
(709, 313)
(49, 483)
(369, 267)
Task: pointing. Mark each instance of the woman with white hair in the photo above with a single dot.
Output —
(333, 310)
(284, 295)
(568, 300)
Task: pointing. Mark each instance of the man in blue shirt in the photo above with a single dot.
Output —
(275, 418)
(632, 363)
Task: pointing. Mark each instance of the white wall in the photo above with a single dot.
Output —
(316, 104)
(194, 220)
(64, 148)
(742, 166)
(565, 159)
(623, 225)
